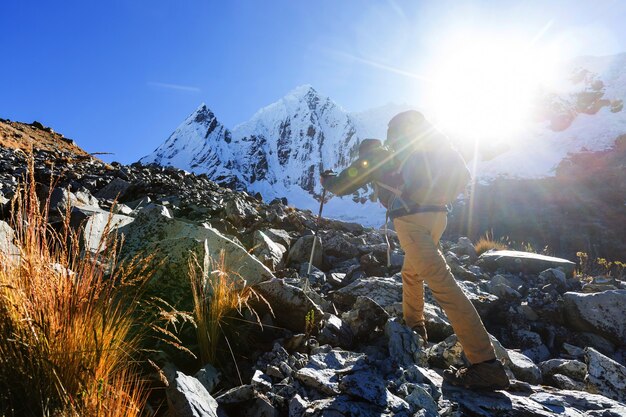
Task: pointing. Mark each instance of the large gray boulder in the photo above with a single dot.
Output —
(605, 376)
(385, 291)
(187, 397)
(602, 313)
(155, 231)
(526, 262)
(289, 304)
(301, 250)
(270, 253)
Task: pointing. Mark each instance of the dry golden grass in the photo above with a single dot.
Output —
(67, 322)
(217, 294)
(487, 242)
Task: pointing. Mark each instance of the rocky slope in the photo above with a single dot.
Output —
(561, 335)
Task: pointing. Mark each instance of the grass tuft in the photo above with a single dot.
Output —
(67, 321)
(218, 294)
(487, 242)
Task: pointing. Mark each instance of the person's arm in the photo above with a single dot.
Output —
(350, 179)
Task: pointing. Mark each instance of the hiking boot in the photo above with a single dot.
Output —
(489, 375)
(420, 329)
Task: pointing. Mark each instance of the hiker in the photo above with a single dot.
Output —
(414, 179)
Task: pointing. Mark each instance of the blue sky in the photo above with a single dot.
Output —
(119, 75)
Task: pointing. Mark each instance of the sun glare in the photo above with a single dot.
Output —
(482, 88)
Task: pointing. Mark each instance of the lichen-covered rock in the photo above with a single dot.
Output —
(601, 313)
(605, 376)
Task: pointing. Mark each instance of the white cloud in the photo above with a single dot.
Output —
(178, 87)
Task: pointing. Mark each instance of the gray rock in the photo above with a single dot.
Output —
(601, 313)
(335, 332)
(344, 405)
(338, 246)
(420, 399)
(290, 304)
(571, 368)
(279, 236)
(384, 291)
(437, 324)
(316, 276)
(405, 347)
(565, 382)
(524, 368)
(464, 246)
(447, 353)
(555, 277)
(236, 395)
(533, 346)
(261, 382)
(267, 251)
(323, 380)
(187, 397)
(365, 317)
(605, 376)
(532, 401)
(101, 224)
(369, 386)
(7, 247)
(155, 231)
(530, 263)
(115, 189)
(208, 376)
(301, 250)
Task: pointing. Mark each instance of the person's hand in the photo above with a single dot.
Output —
(326, 174)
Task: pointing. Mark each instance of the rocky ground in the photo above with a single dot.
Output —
(562, 336)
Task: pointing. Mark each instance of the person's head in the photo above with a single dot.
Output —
(367, 145)
(404, 128)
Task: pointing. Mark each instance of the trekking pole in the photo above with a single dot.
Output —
(319, 219)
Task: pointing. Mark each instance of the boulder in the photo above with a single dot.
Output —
(385, 291)
(301, 250)
(405, 347)
(571, 368)
(98, 224)
(156, 232)
(187, 397)
(525, 262)
(365, 317)
(601, 313)
(267, 251)
(115, 189)
(371, 387)
(524, 368)
(338, 246)
(335, 332)
(289, 303)
(605, 376)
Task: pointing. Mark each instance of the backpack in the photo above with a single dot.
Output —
(424, 178)
(434, 177)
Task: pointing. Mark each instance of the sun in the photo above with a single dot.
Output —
(481, 88)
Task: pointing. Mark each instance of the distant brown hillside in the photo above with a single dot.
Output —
(23, 136)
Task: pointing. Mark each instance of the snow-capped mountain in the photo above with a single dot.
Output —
(282, 149)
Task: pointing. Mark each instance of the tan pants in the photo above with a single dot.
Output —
(419, 235)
